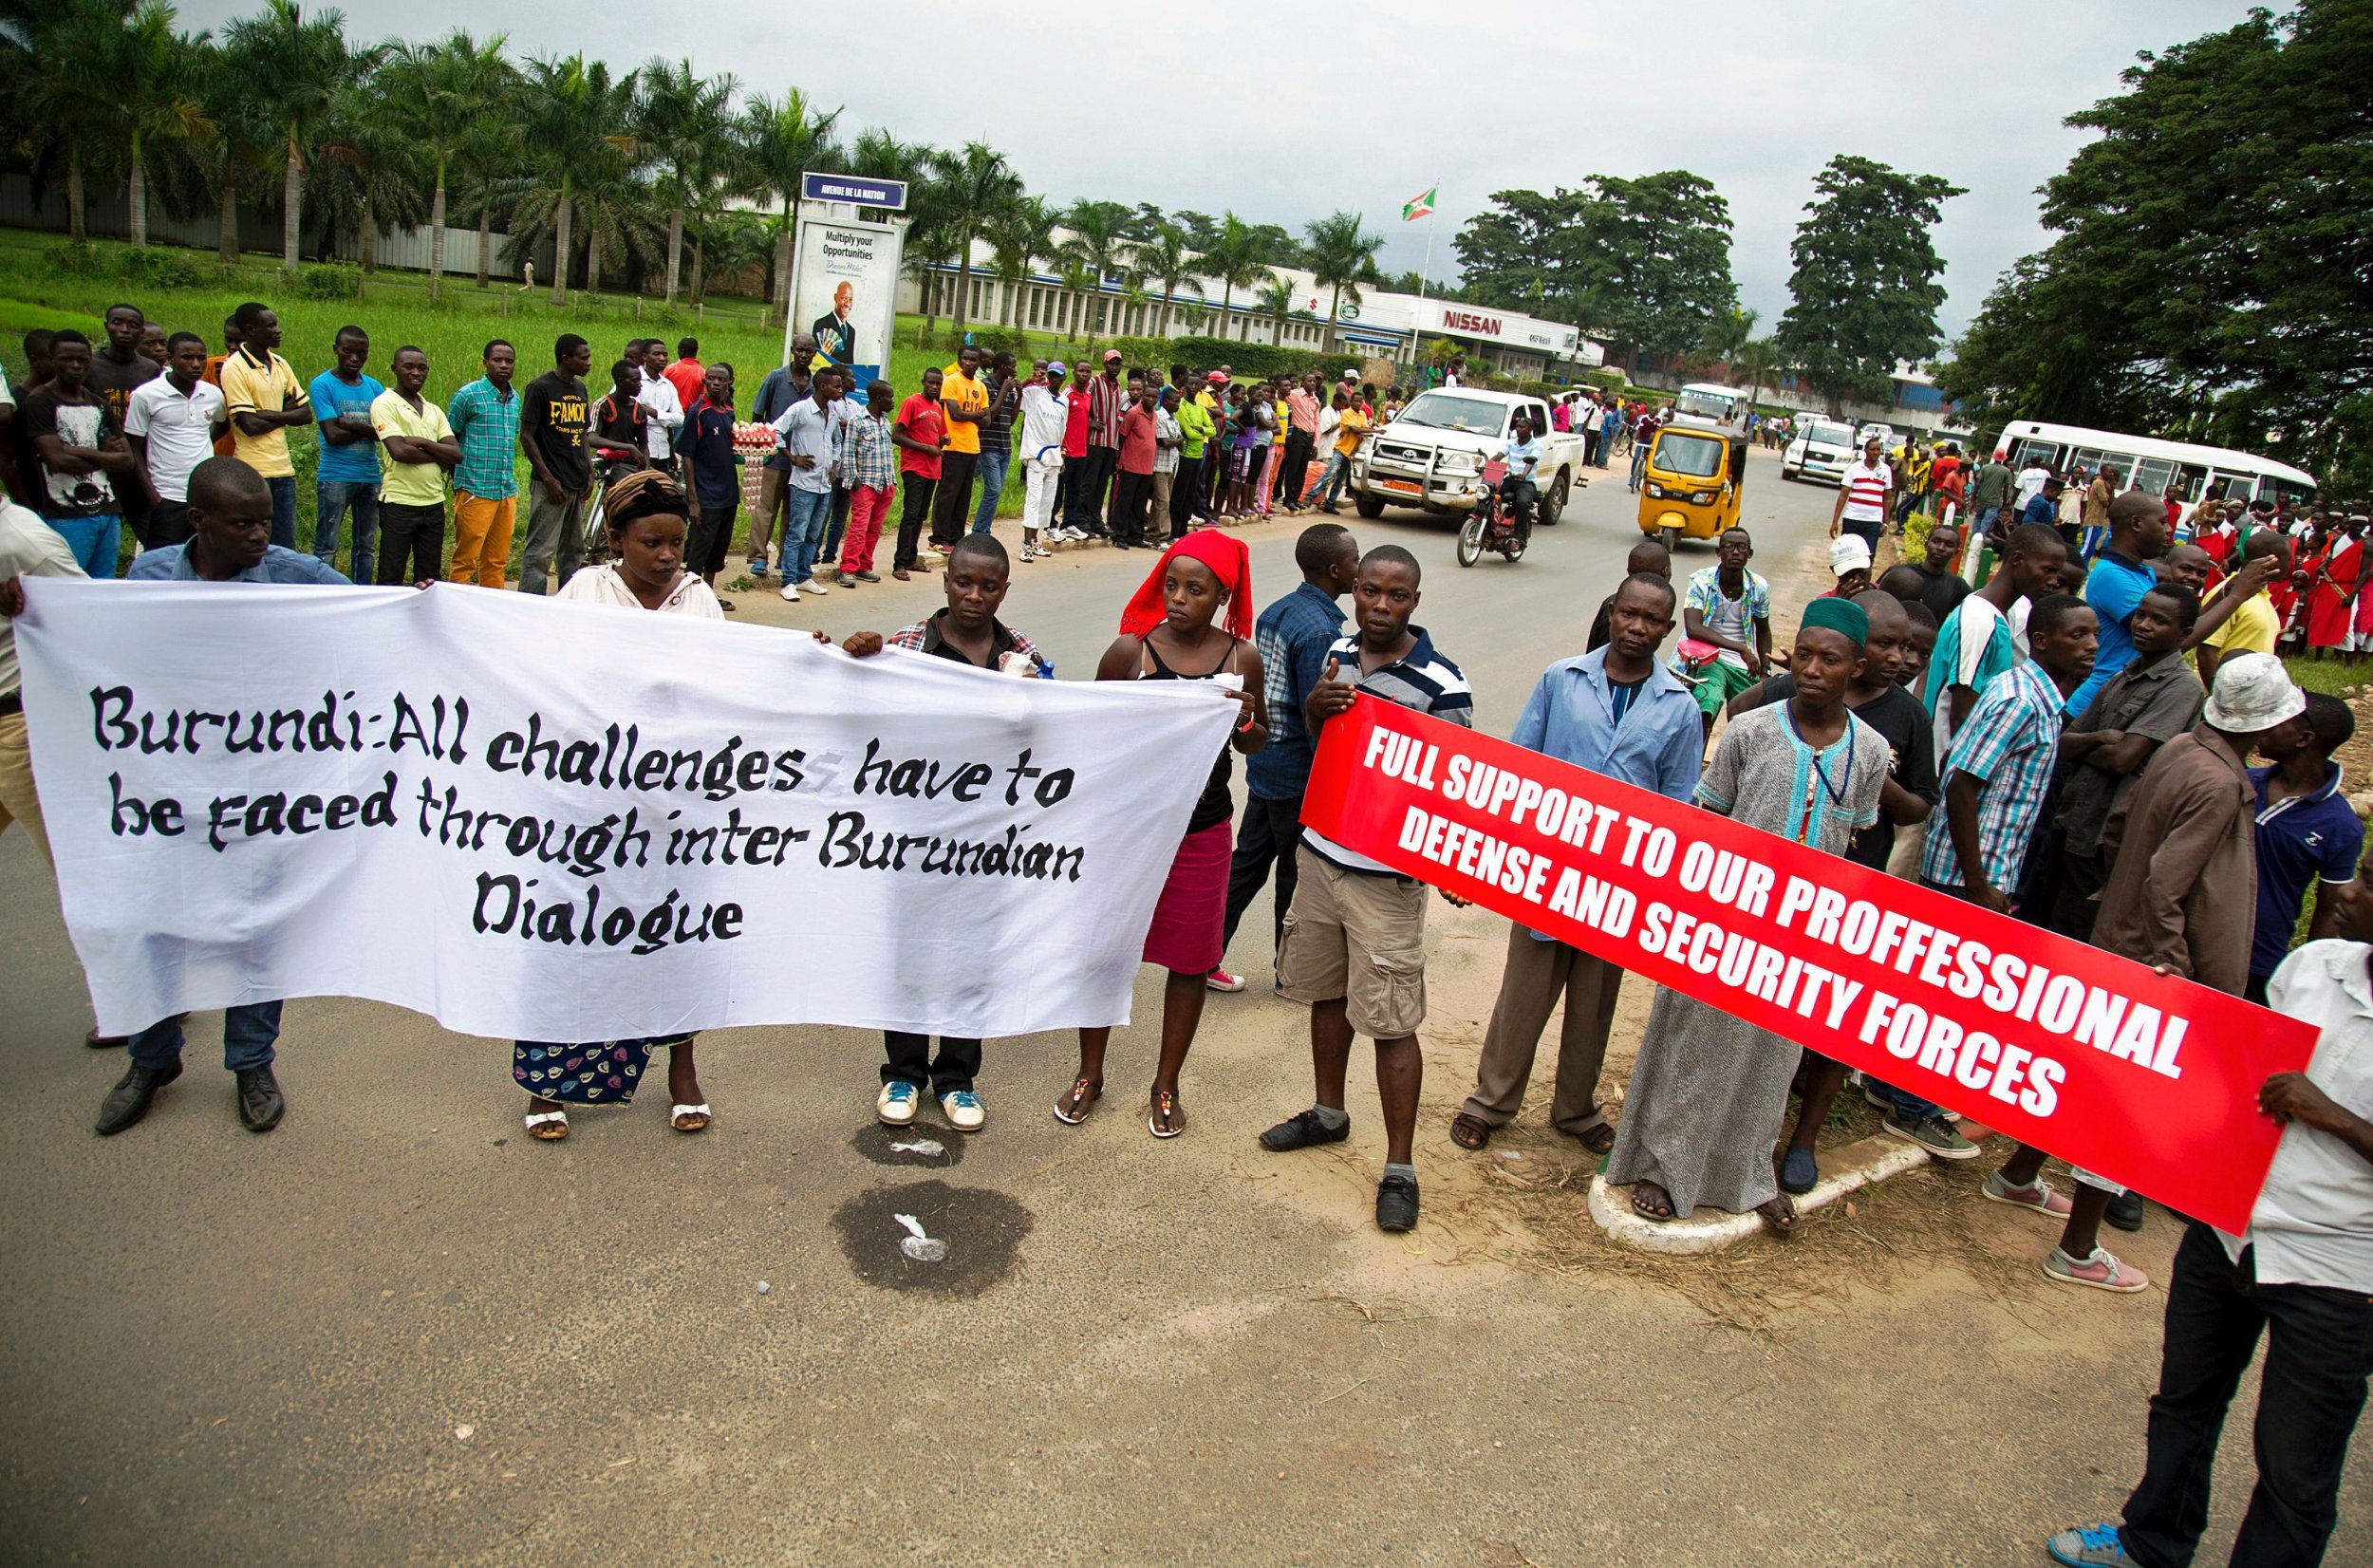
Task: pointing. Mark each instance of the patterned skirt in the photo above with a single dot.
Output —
(589, 1072)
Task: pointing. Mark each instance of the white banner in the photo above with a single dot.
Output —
(540, 820)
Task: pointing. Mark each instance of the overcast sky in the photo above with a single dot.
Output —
(1286, 112)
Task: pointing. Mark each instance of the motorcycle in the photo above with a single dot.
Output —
(1493, 525)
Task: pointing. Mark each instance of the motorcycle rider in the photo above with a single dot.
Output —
(1522, 454)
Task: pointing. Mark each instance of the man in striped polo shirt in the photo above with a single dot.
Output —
(1355, 947)
(1864, 495)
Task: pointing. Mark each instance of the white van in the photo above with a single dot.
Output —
(1823, 449)
(1886, 433)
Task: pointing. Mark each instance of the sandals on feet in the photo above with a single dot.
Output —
(1651, 1202)
(1470, 1131)
(1074, 1107)
(548, 1127)
(1598, 1140)
(1779, 1213)
(689, 1118)
(1166, 1118)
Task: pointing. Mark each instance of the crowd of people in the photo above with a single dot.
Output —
(2067, 742)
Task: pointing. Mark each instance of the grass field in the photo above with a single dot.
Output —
(395, 310)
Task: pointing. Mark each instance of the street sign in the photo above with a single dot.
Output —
(854, 190)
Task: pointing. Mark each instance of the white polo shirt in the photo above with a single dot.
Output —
(178, 429)
(2313, 1223)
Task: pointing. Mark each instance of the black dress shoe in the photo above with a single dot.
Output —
(260, 1105)
(2125, 1211)
(97, 1041)
(128, 1101)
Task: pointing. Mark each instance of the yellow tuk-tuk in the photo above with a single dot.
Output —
(1689, 485)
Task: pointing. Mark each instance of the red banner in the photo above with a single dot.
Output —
(2150, 1080)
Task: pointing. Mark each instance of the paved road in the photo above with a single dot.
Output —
(221, 1349)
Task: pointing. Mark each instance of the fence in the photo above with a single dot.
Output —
(107, 214)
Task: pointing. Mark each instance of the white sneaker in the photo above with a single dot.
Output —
(790, 593)
(896, 1104)
(963, 1110)
(812, 586)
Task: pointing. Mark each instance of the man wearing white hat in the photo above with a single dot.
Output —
(2183, 863)
(1045, 414)
(1849, 562)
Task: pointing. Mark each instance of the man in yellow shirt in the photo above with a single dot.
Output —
(965, 402)
(1352, 425)
(2253, 626)
(263, 399)
(421, 452)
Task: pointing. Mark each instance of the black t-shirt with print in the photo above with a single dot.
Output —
(553, 412)
(83, 423)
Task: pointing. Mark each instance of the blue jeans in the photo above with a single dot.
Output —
(248, 1034)
(283, 510)
(804, 514)
(332, 501)
(96, 541)
(991, 470)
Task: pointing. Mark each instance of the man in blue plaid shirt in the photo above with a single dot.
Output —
(1997, 786)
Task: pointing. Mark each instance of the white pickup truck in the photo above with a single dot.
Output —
(1432, 455)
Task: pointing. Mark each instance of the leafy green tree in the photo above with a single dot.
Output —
(2213, 274)
(444, 97)
(1864, 295)
(1234, 258)
(1645, 261)
(367, 173)
(294, 68)
(1017, 236)
(577, 128)
(1276, 302)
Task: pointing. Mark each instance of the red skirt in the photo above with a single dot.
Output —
(1185, 936)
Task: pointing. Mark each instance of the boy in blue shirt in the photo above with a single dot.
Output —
(346, 479)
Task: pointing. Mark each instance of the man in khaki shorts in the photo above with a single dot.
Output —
(1355, 946)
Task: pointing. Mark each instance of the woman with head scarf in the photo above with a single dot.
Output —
(1190, 620)
(647, 517)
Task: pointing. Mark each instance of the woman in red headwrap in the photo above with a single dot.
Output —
(1191, 620)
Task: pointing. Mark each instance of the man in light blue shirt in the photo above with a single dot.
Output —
(345, 478)
(230, 519)
(1620, 713)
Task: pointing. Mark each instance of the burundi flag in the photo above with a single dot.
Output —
(1418, 206)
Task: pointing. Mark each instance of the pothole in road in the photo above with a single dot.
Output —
(931, 1148)
(983, 1231)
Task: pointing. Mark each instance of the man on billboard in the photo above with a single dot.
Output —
(836, 338)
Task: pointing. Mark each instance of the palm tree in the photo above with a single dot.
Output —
(1758, 360)
(68, 83)
(1077, 278)
(1096, 243)
(1276, 302)
(1017, 238)
(367, 173)
(576, 125)
(687, 122)
(1234, 259)
(973, 187)
(1166, 260)
(156, 96)
(1727, 334)
(229, 160)
(783, 138)
(1342, 255)
(293, 69)
(443, 97)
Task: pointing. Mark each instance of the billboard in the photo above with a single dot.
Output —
(843, 289)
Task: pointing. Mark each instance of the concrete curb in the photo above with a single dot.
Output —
(1864, 1162)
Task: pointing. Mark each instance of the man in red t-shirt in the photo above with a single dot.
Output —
(688, 376)
(1133, 487)
(1074, 464)
(919, 435)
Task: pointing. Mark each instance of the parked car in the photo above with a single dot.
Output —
(1822, 449)
(1433, 454)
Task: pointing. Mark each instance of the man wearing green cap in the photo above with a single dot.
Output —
(1710, 1090)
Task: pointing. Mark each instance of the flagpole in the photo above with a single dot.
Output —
(1422, 275)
